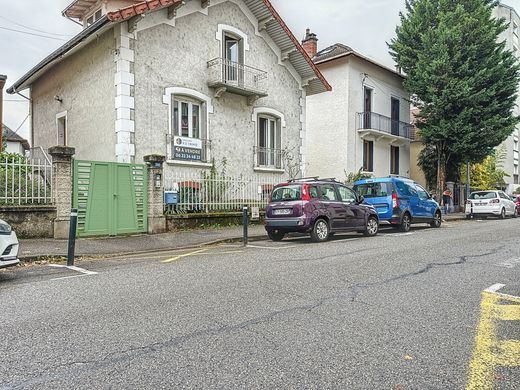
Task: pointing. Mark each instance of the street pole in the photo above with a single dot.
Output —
(72, 237)
(468, 178)
(3, 78)
(245, 222)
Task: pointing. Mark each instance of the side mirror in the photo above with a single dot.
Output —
(361, 199)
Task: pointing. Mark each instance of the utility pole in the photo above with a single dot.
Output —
(468, 178)
(3, 78)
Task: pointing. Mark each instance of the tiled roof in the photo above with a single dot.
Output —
(11, 136)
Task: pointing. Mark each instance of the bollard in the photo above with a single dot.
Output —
(72, 236)
(245, 222)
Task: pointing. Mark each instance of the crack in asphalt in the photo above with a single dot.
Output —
(131, 353)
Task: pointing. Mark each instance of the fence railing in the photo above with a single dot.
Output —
(267, 157)
(371, 120)
(206, 193)
(234, 74)
(25, 181)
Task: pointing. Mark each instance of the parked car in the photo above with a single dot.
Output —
(8, 246)
(400, 201)
(319, 207)
(490, 203)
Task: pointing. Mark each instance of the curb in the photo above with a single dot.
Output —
(63, 257)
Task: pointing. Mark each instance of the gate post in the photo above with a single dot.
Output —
(156, 218)
(62, 187)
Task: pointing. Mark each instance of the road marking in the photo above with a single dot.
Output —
(270, 247)
(73, 268)
(489, 352)
(178, 257)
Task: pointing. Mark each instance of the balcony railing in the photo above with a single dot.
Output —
(384, 124)
(237, 78)
(268, 158)
(190, 154)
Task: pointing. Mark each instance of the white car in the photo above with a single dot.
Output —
(8, 246)
(490, 203)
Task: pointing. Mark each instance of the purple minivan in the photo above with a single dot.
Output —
(320, 207)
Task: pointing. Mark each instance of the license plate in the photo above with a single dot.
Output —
(282, 212)
(480, 204)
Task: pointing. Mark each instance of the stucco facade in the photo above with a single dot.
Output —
(116, 92)
(335, 134)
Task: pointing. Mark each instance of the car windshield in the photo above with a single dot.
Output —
(290, 192)
(374, 190)
(483, 195)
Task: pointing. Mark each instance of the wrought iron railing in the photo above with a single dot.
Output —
(268, 158)
(25, 181)
(373, 121)
(234, 74)
(208, 192)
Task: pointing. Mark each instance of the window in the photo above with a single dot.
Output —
(423, 194)
(367, 108)
(94, 17)
(394, 112)
(328, 192)
(394, 160)
(61, 127)
(233, 55)
(374, 190)
(405, 189)
(269, 152)
(368, 156)
(346, 194)
(186, 120)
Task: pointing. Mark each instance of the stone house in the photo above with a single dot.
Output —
(364, 123)
(194, 80)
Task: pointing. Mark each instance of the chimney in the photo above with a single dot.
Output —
(310, 43)
(2, 84)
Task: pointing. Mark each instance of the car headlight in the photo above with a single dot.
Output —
(5, 228)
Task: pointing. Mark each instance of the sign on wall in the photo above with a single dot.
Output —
(189, 149)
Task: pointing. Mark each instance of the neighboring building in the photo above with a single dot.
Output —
(13, 142)
(193, 80)
(363, 123)
(511, 37)
(416, 146)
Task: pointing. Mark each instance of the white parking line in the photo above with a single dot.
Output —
(494, 288)
(272, 248)
(74, 268)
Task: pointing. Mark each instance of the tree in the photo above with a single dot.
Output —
(459, 75)
(489, 173)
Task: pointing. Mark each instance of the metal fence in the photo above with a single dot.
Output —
(25, 181)
(371, 120)
(234, 74)
(206, 193)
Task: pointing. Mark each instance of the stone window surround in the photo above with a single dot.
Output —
(263, 111)
(223, 28)
(193, 94)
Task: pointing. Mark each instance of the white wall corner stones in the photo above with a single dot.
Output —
(124, 102)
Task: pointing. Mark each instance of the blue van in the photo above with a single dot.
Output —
(400, 201)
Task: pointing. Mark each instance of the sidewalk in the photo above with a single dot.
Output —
(32, 249)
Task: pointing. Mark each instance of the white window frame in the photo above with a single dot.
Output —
(182, 99)
(59, 116)
(279, 120)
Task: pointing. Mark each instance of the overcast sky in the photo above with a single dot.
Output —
(365, 25)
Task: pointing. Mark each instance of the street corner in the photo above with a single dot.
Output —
(495, 361)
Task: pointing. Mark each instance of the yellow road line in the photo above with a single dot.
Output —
(489, 353)
(178, 257)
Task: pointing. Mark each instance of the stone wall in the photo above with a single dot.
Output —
(30, 221)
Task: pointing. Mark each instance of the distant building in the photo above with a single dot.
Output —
(14, 143)
(364, 123)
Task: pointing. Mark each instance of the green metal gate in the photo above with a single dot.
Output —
(111, 198)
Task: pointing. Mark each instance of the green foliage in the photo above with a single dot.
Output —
(428, 163)
(461, 78)
(488, 174)
(352, 177)
(517, 191)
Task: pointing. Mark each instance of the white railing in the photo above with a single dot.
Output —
(207, 193)
(25, 181)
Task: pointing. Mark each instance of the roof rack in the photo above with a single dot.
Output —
(313, 178)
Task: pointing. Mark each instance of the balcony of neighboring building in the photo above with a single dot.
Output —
(233, 77)
(384, 127)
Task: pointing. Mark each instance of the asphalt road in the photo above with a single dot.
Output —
(397, 311)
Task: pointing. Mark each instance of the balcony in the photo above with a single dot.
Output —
(268, 158)
(380, 126)
(232, 77)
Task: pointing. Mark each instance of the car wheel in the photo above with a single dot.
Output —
(372, 227)
(502, 213)
(320, 231)
(437, 220)
(276, 235)
(406, 222)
